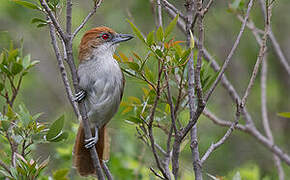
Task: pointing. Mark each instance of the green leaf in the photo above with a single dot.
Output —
(55, 129)
(41, 25)
(61, 174)
(5, 70)
(167, 108)
(191, 40)
(26, 4)
(171, 26)
(1, 86)
(26, 61)
(184, 56)
(59, 137)
(12, 55)
(10, 114)
(4, 125)
(54, 2)
(38, 20)
(2, 58)
(43, 164)
(16, 68)
(150, 38)
(134, 66)
(134, 120)
(159, 52)
(209, 82)
(160, 34)
(284, 114)
(24, 115)
(137, 31)
(6, 174)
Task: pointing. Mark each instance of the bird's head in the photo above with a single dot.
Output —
(100, 41)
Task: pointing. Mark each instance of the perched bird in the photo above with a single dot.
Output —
(102, 83)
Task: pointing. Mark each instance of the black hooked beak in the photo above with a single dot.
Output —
(121, 38)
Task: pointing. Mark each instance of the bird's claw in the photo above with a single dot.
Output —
(80, 96)
(89, 143)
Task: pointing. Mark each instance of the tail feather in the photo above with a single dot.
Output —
(82, 157)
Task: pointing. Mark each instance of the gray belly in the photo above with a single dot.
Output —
(102, 81)
(103, 99)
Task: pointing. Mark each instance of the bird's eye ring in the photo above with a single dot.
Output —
(105, 36)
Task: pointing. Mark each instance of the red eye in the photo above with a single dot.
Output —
(105, 36)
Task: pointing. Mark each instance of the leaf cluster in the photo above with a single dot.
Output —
(13, 67)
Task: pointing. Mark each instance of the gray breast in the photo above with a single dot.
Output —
(102, 80)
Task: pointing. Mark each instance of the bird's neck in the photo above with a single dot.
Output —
(104, 51)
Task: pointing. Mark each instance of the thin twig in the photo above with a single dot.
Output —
(200, 103)
(150, 124)
(156, 174)
(266, 124)
(62, 70)
(197, 165)
(225, 137)
(220, 122)
(252, 130)
(229, 57)
(68, 17)
(169, 99)
(168, 5)
(259, 59)
(93, 11)
(53, 19)
(107, 171)
(159, 14)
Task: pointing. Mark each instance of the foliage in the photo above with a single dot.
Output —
(19, 129)
(13, 67)
(167, 55)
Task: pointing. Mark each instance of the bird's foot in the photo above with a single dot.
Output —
(80, 96)
(91, 142)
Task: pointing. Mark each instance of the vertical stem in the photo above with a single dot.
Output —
(159, 13)
(265, 118)
(195, 154)
(68, 17)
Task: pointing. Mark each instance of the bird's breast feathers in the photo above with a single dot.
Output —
(102, 80)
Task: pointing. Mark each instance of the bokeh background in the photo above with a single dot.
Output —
(43, 90)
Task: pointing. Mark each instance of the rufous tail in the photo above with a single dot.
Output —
(82, 157)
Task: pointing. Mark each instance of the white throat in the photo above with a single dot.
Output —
(104, 50)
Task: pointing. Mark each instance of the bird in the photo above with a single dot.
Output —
(102, 84)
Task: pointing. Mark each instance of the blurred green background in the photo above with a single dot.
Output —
(43, 90)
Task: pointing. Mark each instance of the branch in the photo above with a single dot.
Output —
(169, 100)
(62, 70)
(197, 165)
(159, 14)
(252, 130)
(70, 61)
(259, 59)
(266, 124)
(150, 124)
(220, 122)
(226, 63)
(171, 7)
(225, 137)
(194, 140)
(68, 17)
(107, 171)
(93, 11)
(53, 19)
